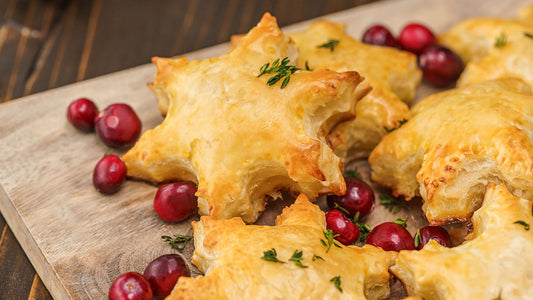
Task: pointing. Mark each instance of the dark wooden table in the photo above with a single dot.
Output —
(49, 43)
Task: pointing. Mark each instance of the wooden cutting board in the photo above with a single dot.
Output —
(79, 240)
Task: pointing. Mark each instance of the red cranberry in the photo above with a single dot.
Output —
(175, 202)
(436, 233)
(440, 65)
(415, 37)
(379, 35)
(347, 231)
(164, 272)
(130, 286)
(109, 174)
(391, 236)
(81, 113)
(359, 197)
(118, 125)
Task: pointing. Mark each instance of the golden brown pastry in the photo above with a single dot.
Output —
(239, 138)
(494, 263)
(229, 253)
(494, 47)
(455, 143)
(393, 75)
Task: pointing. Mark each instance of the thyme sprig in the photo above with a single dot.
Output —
(271, 255)
(280, 69)
(418, 239)
(353, 173)
(177, 242)
(401, 222)
(330, 239)
(344, 210)
(297, 258)
(329, 44)
(501, 40)
(337, 282)
(317, 257)
(400, 122)
(526, 225)
(392, 204)
(364, 229)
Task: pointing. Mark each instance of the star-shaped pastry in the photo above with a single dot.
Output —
(494, 263)
(455, 143)
(494, 47)
(392, 73)
(239, 261)
(239, 138)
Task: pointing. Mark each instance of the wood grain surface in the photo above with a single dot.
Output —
(47, 44)
(77, 239)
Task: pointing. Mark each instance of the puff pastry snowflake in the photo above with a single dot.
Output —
(239, 138)
(494, 263)
(285, 261)
(494, 47)
(393, 74)
(455, 143)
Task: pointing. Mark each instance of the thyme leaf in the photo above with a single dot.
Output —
(400, 122)
(307, 66)
(337, 206)
(418, 239)
(177, 242)
(329, 44)
(330, 239)
(353, 173)
(364, 229)
(297, 258)
(526, 225)
(501, 40)
(337, 282)
(529, 35)
(401, 222)
(281, 69)
(392, 204)
(316, 257)
(271, 255)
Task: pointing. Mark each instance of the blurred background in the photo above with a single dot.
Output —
(50, 43)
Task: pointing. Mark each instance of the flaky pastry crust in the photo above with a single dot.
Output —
(455, 143)
(239, 138)
(475, 40)
(393, 75)
(229, 252)
(495, 261)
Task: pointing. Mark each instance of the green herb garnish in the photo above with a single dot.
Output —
(353, 173)
(418, 239)
(526, 225)
(364, 229)
(307, 66)
(271, 255)
(297, 258)
(501, 40)
(346, 212)
(402, 222)
(316, 257)
(330, 239)
(337, 282)
(400, 122)
(282, 70)
(392, 204)
(529, 35)
(177, 242)
(330, 44)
